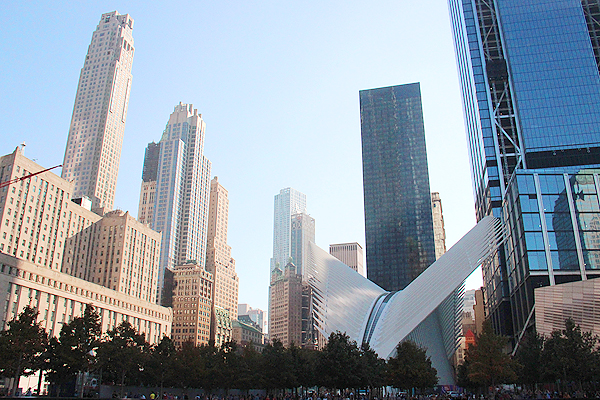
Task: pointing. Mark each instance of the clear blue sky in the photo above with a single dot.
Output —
(276, 82)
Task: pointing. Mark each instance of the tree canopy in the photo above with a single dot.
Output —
(411, 368)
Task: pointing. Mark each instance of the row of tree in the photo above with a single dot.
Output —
(568, 357)
(123, 357)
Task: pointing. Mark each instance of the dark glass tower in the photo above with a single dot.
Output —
(398, 218)
(531, 95)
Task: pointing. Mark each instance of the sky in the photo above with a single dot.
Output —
(277, 84)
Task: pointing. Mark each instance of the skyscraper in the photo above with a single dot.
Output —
(148, 191)
(218, 254)
(93, 149)
(398, 219)
(350, 254)
(439, 231)
(293, 230)
(302, 233)
(182, 190)
(288, 202)
(531, 95)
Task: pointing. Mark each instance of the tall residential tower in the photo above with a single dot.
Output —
(398, 218)
(93, 149)
(181, 196)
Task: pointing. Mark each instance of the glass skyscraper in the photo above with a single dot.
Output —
(531, 95)
(288, 202)
(398, 217)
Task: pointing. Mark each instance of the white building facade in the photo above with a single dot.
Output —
(182, 190)
(95, 139)
(288, 202)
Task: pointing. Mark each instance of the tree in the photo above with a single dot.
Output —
(160, 364)
(75, 351)
(231, 365)
(211, 373)
(411, 368)
(529, 358)
(372, 371)
(121, 355)
(304, 363)
(569, 354)
(276, 366)
(22, 346)
(249, 374)
(462, 376)
(488, 363)
(339, 363)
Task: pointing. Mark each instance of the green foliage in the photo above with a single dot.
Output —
(570, 355)
(277, 366)
(410, 368)
(339, 363)
(122, 355)
(74, 351)
(488, 363)
(22, 345)
(529, 358)
(373, 369)
(160, 364)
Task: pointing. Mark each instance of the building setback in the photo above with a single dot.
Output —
(398, 218)
(42, 225)
(148, 191)
(531, 95)
(116, 252)
(218, 255)
(95, 139)
(181, 197)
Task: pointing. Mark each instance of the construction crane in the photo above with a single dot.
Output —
(7, 183)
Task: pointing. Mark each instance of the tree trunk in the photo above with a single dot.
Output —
(122, 382)
(39, 388)
(17, 375)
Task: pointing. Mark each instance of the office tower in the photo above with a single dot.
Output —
(350, 254)
(37, 213)
(42, 225)
(218, 252)
(182, 190)
(93, 149)
(117, 252)
(148, 191)
(287, 203)
(302, 233)
(192, 304)
(398, 220)
(531, 94)
(439, 231)
(285, 313)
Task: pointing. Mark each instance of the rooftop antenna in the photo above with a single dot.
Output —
(23, 144)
